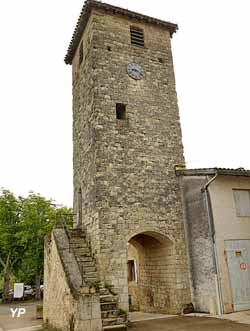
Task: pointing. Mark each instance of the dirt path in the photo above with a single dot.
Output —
(189, 324)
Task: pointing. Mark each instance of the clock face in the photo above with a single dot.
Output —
(135, 71)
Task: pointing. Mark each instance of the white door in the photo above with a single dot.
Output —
(238, 259)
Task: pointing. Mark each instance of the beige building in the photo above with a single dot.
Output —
(217, 208)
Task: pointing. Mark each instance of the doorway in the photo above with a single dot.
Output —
(151, 273)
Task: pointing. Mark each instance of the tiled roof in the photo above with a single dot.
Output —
(84, 16)
(212, 171)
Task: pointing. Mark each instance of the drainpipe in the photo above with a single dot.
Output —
(212, 233)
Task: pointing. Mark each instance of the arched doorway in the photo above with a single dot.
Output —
(151, 273)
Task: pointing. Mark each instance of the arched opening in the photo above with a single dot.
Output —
(151, 273)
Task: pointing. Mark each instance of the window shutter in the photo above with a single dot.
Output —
(242, 202)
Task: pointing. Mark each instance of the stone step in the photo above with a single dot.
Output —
(89, 264)
(81, 251)
(82, 255)
(108, 298)
(110, 313)
(121, 327)
(84, 259)
(113, 321)
(89, 268)
(104, 291)
(77, 233)
(107, 306)
(90, 279)
(78, 244)
(90, 274)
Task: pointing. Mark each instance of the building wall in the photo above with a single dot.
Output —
(202, 269)
(227, 225)
(65, 307)
(126, 169)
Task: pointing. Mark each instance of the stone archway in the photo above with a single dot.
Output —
(151, 273)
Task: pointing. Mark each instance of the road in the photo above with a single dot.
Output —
(189, 324)
(7, 322)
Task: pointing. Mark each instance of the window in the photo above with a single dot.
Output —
(80, 54)
(242, 202)
(120, 111)
(131, 271)
(137, 36)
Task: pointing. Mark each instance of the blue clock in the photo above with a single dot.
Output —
(135, 71)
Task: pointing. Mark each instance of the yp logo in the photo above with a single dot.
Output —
(17, 312)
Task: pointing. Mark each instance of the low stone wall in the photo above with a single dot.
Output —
(65, 305)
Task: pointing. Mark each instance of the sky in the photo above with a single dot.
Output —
(212, 67)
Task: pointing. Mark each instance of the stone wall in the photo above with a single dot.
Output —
(133, 285)
(200, 246)
(156, 273)
(126, 168)
(65, 307)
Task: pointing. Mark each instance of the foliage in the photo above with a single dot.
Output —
(38, 218)
(24, 222)
(121, 312)
(12, 248)
(39, 307)
(110, 288)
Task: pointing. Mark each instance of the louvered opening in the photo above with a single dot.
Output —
(137, 36)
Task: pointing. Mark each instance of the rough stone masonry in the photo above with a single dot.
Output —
(127, 142)
(124, 169)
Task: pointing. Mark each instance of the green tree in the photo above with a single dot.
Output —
(11, 247)
(64, 217)
(38, 218)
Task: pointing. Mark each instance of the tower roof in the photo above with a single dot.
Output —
(85, 14)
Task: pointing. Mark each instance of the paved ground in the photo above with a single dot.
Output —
(242, 317)
(7, 322)
(138, 316)
(143, 322)
(189, 324)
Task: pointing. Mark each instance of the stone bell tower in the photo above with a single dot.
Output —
(127, 142)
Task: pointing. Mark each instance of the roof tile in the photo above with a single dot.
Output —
(84, 16)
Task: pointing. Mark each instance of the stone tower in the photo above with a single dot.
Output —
(127, 142)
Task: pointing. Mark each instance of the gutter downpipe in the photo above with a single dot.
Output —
(212, 233)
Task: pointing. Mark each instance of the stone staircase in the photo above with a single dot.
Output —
(112, 317)
(83, 255)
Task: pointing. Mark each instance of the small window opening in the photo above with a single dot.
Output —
(80, 53)
(120, 111)
(109, 48)
(131, 271)
(160, 60)
(137, 36)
